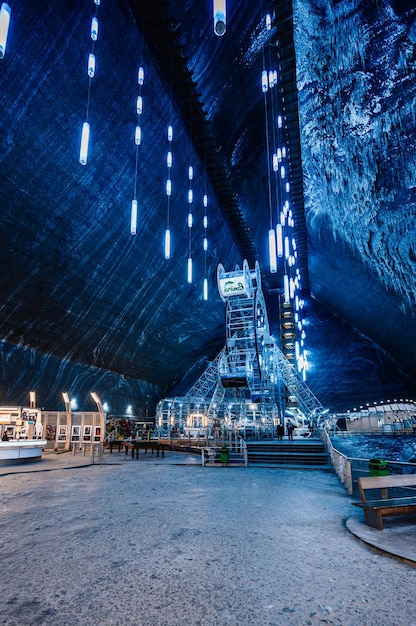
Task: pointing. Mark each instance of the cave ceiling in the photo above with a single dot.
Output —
(79, 290)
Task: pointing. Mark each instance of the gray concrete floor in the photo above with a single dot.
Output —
(164, 542)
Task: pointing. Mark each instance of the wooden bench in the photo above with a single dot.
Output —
(387, 504)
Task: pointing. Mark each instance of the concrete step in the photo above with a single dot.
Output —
(301, 454)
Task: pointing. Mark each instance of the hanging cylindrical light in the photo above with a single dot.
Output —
(205, 289)
(220, 17)
(91, 65)
(140, 76)
(286, 288)
(94, 29)
(167, 243)
(189, 270)
(264, 81)
(268, 21)
(272, 252)
(133, 219)
(139, 105)
(4, 27)
(279, 239)
(85, 138)
(138, 136)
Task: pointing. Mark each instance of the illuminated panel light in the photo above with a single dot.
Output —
(167, 243)
(205, 289)
(189, 270)
(264, 81)
(97, 2)
(286, 288)
(94, 29)
(279, 237)
(4, 27)
(133, 220)
(220, 19)
(272, 252)
(140, 76)
(85, 138)
(91, 65)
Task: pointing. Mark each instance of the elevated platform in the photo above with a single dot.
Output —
(397, 538)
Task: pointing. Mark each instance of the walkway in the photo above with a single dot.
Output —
(166, 542)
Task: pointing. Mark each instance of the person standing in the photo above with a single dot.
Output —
(290, 428)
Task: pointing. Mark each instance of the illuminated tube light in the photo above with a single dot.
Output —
(133, 220)
(287, 252)
(291, 288)
(272, 252)
(139, 105)
(287, 187)
(94, 29)
(282, 171)
(279, 238)
(264, 81)
(286, 288)
(138, 136)
(91, 65)
(220, 19)
(205, 201)
(140, 76)
(205, 221)
(190, 172)
(275, 163)
(169, 159)
(170, 133)
(189, 220)
(4, 27)
(205, 244)
(190, 196)
(271, 79)
(97, 2)
(268, 21)
(189, 270)
(279, 121)
(168, 187)
(85, 138)
(167, 243)
(205, 289)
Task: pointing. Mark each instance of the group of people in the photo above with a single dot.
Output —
(280, 429)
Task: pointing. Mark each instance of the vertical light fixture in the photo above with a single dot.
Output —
(169, 161)
(137, 141)
(190, 221)
(205, 288)
(85, 136)
(220, 17)
(4, 27)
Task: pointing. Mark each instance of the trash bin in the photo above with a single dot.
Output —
(378, 467)
(224, 455)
